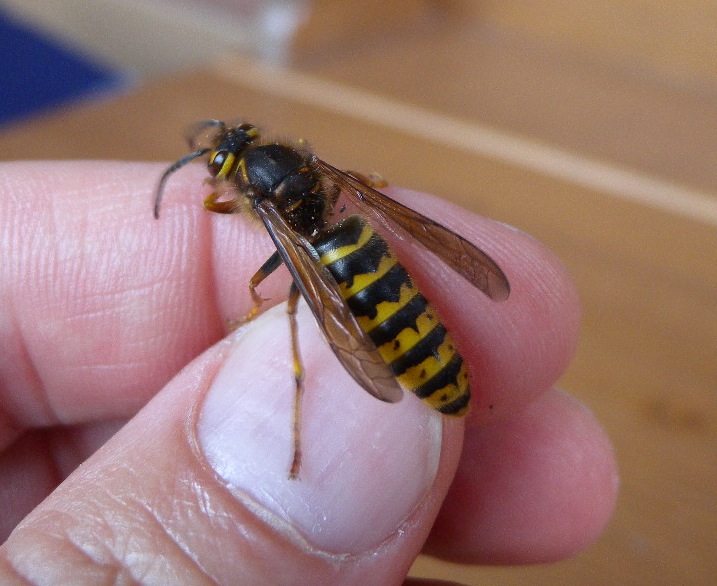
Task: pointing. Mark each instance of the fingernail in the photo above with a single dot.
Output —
(365, 464)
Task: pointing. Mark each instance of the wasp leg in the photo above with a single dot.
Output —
(298, 368)
(272, 263)
(229, 206)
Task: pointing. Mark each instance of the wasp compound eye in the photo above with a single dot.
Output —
(219, 163)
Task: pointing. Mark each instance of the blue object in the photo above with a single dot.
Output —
(37, 73)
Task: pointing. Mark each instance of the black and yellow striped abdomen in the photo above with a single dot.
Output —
(393, 312)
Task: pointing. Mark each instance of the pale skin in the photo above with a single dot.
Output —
(101, 305)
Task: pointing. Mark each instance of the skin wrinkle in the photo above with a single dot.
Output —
(107, 301)
(65, 536)
(184, 218)
(218, 517)
(115, 546)
(71, 257)
(41, 399)
(205, 234)
(9, 566)
(174, 538)
(68, 256)
(13, 232)
(83, 549)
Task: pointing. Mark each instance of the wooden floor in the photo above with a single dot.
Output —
(611, 166)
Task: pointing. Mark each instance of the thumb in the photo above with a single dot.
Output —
(195, 488)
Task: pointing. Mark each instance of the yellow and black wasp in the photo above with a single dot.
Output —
(382, 330)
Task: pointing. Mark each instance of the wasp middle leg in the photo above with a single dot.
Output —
(271, 264)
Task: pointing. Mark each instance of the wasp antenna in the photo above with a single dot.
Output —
(172, 168)
(196, 129)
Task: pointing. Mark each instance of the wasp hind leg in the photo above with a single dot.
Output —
(272, 263)
(298, 369)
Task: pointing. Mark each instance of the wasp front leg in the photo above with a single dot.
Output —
(272, 263)
(228, 206)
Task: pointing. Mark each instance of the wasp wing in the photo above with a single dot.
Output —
(466, 259)
(352, 346)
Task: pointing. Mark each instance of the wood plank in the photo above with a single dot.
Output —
(577, 102)
(673, 39)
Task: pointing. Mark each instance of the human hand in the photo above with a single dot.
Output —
(100, 305)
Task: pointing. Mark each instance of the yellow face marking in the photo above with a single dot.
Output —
(386, 309)
(227, 166)
(342, 251)
(420, 374)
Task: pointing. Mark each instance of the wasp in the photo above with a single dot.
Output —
(378, 324)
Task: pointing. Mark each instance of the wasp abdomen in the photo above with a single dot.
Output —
(393, 312)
